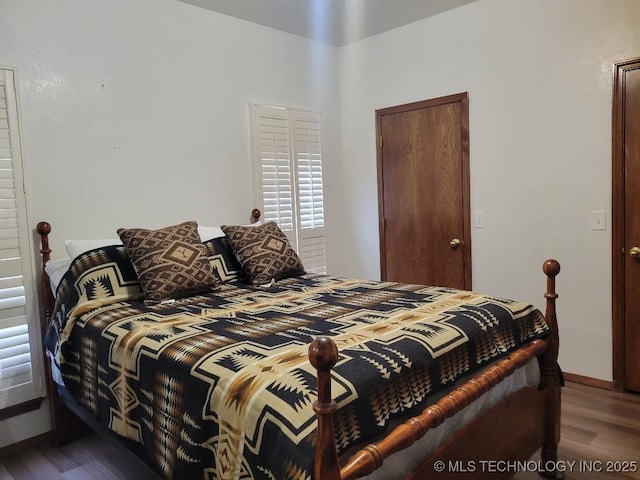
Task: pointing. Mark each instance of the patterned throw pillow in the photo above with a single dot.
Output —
(264, 252)
(170, 262)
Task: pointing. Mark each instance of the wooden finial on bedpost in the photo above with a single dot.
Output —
(255, 215)
(44, 229)
(323, 355)
(551, 268)
(550, 379)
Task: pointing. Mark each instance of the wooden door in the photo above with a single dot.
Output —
(626, 227)
(423, 192)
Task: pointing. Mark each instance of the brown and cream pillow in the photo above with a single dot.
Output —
(170, 262)
(264, 252)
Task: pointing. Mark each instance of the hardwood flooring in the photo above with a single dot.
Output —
(88, 458)
(600, 431)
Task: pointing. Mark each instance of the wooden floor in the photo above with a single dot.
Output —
(600, 431)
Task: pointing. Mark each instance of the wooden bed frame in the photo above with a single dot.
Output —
(511, 431)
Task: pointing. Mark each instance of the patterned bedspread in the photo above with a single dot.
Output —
(219, 386)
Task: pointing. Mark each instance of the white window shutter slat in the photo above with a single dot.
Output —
(274, 167)
(15, 358)
(312, 251)
(19, 340)
(309, 170)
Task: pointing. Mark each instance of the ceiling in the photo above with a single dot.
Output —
(336, 22)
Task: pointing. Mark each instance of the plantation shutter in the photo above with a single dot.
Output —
(308, 159)
(288, 173)
(19, 338)
(274, 169)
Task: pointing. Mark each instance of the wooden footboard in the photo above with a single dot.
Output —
(537, 419)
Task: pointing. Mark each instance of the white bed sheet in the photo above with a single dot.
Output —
(56, 270)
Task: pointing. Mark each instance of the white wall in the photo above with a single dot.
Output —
(135, 113)
(539, 77)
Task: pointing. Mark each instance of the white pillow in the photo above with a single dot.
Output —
(207, 233)
(78, 247)
(56, 270)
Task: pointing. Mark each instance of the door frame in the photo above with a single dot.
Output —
(617, 221)
(463, 99)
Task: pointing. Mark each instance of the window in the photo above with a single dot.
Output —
(288, 177)
(20, 375)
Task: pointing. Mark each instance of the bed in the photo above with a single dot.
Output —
(295, 375)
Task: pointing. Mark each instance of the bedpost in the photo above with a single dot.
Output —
(44, 229)
(323, 355)
(551, 378)
(64, 424)
(255, 215)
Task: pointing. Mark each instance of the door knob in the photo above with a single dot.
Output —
(635, 253)
(456, 242)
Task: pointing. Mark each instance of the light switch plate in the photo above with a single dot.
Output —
(478, 219)
(598, 220)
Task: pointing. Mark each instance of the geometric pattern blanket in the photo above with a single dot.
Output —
(219, 386)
